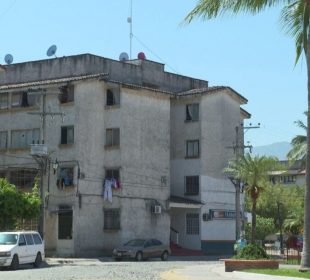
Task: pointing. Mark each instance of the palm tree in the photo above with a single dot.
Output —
(295, 19)
(299, 145)
(254, 173)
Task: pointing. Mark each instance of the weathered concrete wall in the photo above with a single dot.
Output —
(219, 114)
(145, 73)
(178, 222)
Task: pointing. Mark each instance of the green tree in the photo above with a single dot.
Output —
(299, 145)
(264, 226)
(15, 205)
(254, 172)
(295, 19)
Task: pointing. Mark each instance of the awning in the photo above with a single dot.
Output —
(181, 202)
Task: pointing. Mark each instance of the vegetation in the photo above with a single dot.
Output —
(281, 272)
(15, 205)
(285, 205)
(295, 17)
(252, 252)
(299, 145)
(254, 172)
(264, 226)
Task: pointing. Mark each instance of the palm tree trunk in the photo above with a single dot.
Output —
(253, 236)
(305, 260)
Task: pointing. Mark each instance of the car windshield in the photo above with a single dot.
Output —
(8, 238)
(135, 242)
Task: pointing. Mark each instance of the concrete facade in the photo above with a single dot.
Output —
(150, 156)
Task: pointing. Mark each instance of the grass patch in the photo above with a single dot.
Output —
(281, 272)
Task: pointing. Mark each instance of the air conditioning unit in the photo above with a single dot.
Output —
(38, 150)
(156, 209)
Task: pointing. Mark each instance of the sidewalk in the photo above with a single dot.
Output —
(216, 272)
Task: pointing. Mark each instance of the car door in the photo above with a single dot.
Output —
(157, 248)
(148, 250)
(22, 249)
(31, 254)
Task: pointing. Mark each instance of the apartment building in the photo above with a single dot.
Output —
(127, 150)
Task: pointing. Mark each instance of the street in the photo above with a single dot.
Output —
(97, 269)
(177, 268)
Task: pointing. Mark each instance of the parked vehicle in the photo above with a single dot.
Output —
(295, 242)
(140, 249)
(21, 247)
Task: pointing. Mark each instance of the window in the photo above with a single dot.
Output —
(113, 97)
(112, 137)
(4, 100)
(22, 240)
(112, 219)
(191, 185)
(192, 148)
(23, 138)
(66, 94)
(37, 239)
(65, 221)
(192, 223)
(21, 99)
(3, 139)
(112, 173)
(29, 239)
(23, 178)
(67, 135)
(192, 112)
(2, 174)
(65, 177)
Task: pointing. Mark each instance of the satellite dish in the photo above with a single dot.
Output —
(8, 58)
(123, 56)
(51, 50)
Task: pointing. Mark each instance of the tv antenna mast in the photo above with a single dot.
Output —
(129, 20)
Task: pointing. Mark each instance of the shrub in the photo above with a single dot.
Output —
(252, 252)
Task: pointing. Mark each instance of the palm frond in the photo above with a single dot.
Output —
(295, 21)
(207, 9)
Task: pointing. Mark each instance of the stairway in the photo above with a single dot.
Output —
(176, 250)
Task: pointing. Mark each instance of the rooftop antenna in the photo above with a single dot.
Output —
(8, 59)
(129, 20)
(52, 51)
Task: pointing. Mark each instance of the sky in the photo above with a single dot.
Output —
(251, 54)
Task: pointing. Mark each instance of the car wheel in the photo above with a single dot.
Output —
(14, 263)
(139, 256)
(164, 256)
(38, 260)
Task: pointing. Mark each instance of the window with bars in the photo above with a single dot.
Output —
(192, 112)
(3, 139)
(65, 177)
(2, 174)
(23, 178)
(112, 137)
(113, 96)
(192, 223)
(66, 94)
(112, 173)
(65, 221)
(112, 219)
(4, 101)
(192, 148)
(67, 135)
(24, 138)
(191, 185)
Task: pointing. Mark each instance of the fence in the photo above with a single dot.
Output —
(287, 255)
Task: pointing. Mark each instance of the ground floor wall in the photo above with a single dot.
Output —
(98, 226)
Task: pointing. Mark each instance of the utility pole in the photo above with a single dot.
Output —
(239, 151)
(39, 153)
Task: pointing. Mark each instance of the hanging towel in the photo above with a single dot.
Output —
(107, 195)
